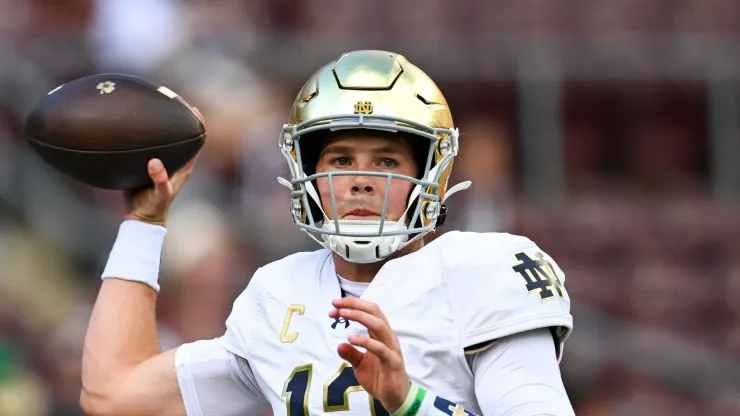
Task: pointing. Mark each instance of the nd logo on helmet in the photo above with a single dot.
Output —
(364, 107)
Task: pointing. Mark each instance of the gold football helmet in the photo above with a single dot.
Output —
(376, 90)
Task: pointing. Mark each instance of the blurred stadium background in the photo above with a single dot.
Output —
(606, 130)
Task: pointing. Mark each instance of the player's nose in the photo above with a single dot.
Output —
(362, 185)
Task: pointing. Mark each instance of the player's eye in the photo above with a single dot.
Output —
(341, 161)
(389, 163)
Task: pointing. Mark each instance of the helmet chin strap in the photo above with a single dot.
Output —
(457, 188)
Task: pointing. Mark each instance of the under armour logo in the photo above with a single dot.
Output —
(339, 321)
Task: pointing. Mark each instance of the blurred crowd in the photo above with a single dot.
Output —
(647, 247)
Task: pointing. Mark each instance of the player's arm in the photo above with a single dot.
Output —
(199, 378)
(123, 370)
(515, 376)
(519, 376)
(124, 373)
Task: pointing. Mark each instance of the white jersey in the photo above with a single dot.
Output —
(459, 291)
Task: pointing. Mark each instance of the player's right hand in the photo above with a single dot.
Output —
(151, 204)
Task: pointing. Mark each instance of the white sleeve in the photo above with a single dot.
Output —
(213, 381)
(519, 376)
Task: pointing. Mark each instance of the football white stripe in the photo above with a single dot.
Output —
(166, 91)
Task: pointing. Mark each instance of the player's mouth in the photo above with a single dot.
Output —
(360, 214)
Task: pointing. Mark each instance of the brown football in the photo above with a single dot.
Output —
(103, 130)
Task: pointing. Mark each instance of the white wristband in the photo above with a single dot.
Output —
(136, 253)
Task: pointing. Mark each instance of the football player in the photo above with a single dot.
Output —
(376, 322)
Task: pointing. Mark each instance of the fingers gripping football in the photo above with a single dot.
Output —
(152, 204)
